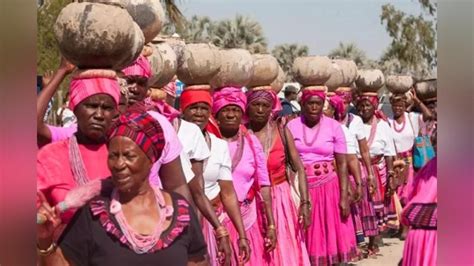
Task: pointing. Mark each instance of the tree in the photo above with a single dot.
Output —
(240, 32)
(352, 52)
(286, 55)
(413, 39)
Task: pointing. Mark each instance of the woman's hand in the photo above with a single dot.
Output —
(66, 66)
(45, 231)
(358, 193)
(305, 215)
(244, 250)
(270, 239)
(224, 251)
(371, 184)
(344, 206)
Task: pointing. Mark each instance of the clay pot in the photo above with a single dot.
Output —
(312, 70)
(265, 70)
(236, 69)
(169, 66)
(94, 35)
(370, 80)
(426, 89)
(398, 84)
(277, 84)
(157, 65)
(200, 63)
(343, 74)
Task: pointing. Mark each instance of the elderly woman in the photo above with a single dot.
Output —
(250, 176)
(196, 106)
(382, 152)
(321, 144)
(134, 223)
(279, 146)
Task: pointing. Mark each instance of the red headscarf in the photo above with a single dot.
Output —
(337, 102)
(308, 93)
(189, 97)
(374, 100)
(82, 88)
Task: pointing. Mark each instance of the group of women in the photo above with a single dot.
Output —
(215, 182)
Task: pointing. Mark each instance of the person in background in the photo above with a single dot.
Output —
(133, 222)
(288, 109)
(65, 116)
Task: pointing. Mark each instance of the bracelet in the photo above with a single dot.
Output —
(303, 202)
(48, 251)
(243, 238)
(271, 227)
(221, 232)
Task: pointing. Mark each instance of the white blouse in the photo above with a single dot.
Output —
(218, 167)
(383, 140)
(351, 141)
(405, 139)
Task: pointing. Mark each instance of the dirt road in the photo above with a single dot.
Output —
(390, 254)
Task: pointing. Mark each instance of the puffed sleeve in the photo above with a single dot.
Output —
(340, 145)
(261, 170)
(76, 240)
(389, 149)
(225, 169)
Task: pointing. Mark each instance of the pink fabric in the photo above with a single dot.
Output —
(291, 249)
(337, 102)
(308, 93)
(329, 141)
(54, 174)
(421, 245)
(346, 95)
(82, 88)
(61, 133)
(403, 190)
(374, 100)
(249, 167)
(276, 156)
(164, 109)
(329, 239)
(268, 95)
(365, 208)
(227, 96)
(170, 89)
(141, 67)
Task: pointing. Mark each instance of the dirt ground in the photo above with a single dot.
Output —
(390, 254)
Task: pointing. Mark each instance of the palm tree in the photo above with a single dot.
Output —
(241, 32)
(350, 51)
(286, 54)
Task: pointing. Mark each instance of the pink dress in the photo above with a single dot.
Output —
(250, 169)
(421, 244)
(290, 249)
(330, 239)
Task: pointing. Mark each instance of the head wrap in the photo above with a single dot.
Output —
(170, 89)
(141, 67)
(346, 95)
(308, 93)
(267, 95)
(337, 102)
(189, 97)
(163, 108)
(227, 96)
(143, 129)
(82, 88)
(374, 100)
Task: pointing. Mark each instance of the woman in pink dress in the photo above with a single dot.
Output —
(320, 142)
(279, 147)
(250, 176)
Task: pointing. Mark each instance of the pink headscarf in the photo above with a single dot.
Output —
(346, 95)
(82, 88)
(374, 100)
(267, 95)
(141, 67)
(227, 96)
(170, 89)
(337, 102)
(308, 93)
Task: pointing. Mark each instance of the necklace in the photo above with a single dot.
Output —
(315, 136)
(395, 123)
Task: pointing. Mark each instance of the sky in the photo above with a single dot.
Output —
(319, 24)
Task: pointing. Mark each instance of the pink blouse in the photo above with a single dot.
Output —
(249, 167)
(330, 139)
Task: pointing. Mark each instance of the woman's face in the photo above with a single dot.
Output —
(95, 114)
(432, 106)
(365, 109)
(229, 118)
(313, 108)
(129, 165)
(259, 111)
(137, 87)
(198, 113)
(398, 107)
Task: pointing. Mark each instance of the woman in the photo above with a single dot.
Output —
(278, 143)
(320, 141)
(249, 173)
(196, 106)
(382, 151)
(134, 223)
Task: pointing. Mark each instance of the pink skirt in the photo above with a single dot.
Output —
(356, 216)
(258, 256)
(208, 232)
(384, 207)
(404, 189)
(366, 209)
(329, 239)
(290, 249)
(420, 248)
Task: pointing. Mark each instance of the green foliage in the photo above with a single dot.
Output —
(286, 54)
(349, 51)
(413, 46)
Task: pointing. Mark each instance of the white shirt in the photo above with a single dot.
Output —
(194, 147)
(405, 139)
(356, 127)
(218, 167)
(350, 141)
(383, 140)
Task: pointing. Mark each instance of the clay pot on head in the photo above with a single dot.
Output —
(265, 70)
(426, 89)
(201, 62)
(169, 66)
(343, 74)
(370, 80)
(312, 70)
(236, 69)
(277, 84)
(398, 84)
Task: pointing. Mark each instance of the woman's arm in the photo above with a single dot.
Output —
(270, 241)
(231, 206)
(305, 204)
(42, 132)
(343, 183)
(172, 178)
(365, 154)
(427, 115)
(354, 170)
